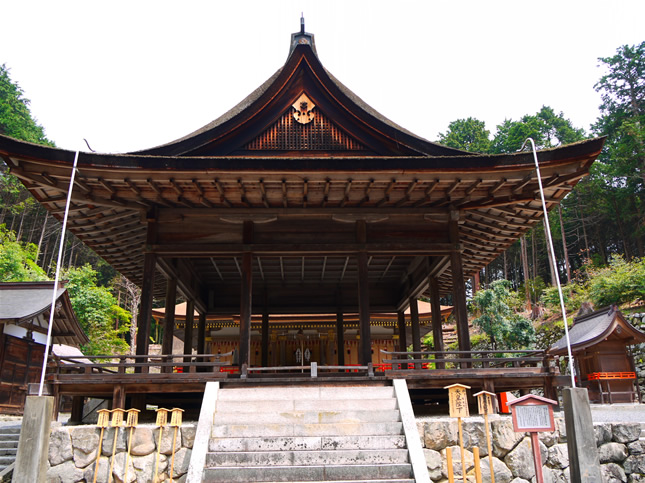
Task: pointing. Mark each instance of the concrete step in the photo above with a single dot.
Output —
(307, 417)
(329, 429)
(269, 405)
(7, 460)
(9, 452)
(306, 393)
(309, 473)
(304, 458)
(8, 443)
(307, 443)
(9, 430)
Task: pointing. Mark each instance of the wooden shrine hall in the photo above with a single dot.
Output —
(300, 199)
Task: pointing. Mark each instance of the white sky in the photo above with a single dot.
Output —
(129, 75)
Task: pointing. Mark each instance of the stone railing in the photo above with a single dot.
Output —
(73, 449)
(621, 453)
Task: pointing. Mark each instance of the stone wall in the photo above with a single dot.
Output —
(73, 449)
(622, 454)
(638, 321)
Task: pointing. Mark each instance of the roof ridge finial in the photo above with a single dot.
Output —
(302, 23)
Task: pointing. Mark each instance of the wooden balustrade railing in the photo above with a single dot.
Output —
(469, 359)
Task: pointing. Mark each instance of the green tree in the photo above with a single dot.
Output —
(498, 317)
(468, 134)
(17, 260)
(547, 129)
(97, 311)
(15, 118)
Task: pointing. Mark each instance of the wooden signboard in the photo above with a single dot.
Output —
(533, 414)
(458, 400)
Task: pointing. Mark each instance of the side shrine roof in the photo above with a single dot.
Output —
(22, 302)
(593, 328)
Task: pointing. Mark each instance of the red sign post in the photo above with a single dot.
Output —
(533, 414)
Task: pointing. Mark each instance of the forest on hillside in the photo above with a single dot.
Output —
(602, 220)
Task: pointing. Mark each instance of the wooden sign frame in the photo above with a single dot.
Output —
(531, 403)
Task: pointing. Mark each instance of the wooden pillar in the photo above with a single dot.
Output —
(118, 397)
(416, 330)
(201, 339)
(188, 332)
(169, 321)
(364, 329)
(365, 343)
(265, 331)
(340, 336)
(458, 285)
(437, 320)
(77, 409)
(145, 308)
(403, 337)
(246, 297)
(400, 323)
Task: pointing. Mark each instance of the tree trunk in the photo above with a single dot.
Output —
(564, 246)
(621, 229)
(525, 266)
(584, 230)
(42, 235)
(552, 269)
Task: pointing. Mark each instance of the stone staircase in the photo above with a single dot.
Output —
(9, 436)
(308, 433)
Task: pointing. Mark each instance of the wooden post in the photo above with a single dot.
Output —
(145, 309)
(246, 297)
(201, 339)
(118, 396)
(340, 336)
(364, 329)
(77, 409)
(365, 345)
(188, 333)
(458, 406)
(416, 331)
(459, 287)
(437, 320)
(265, 331)
(169, 320)
(403, 343)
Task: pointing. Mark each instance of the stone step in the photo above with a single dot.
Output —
(305, 405)
(9, 430)
(8, 451)
(307, 443)
(307, 417)
(12, 443)
(306, 393)
(309, 473)
(304, 458)
(388, 480)
(7, 460)
(281, 429)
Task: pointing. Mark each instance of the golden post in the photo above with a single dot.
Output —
(458, 402)
(117, 422)
(175, 421)
(103, 422)
(132, 421)
(486, 405)
(162, 420)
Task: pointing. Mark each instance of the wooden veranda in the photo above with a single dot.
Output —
(301, 199)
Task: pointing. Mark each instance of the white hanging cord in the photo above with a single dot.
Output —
(555, 264)
(57, 276)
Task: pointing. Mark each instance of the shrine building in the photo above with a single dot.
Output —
(302, 199)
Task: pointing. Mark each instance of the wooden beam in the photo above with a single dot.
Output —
(246, 294)
(400, 323)
(283, 249)
(188, 333)
(459, 287)
(265, 330)
(364, 329)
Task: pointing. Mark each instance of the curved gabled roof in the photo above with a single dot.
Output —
(593, 328)
(303, 72)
